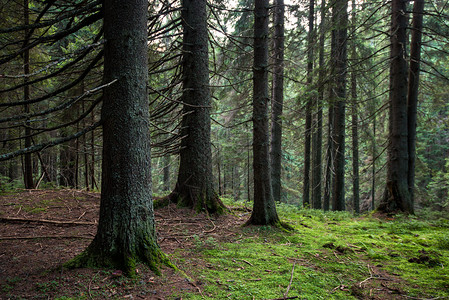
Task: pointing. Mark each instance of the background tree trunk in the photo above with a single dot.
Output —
(278, 100)
(340, 22)
(264, 209)
(195, 187)
(412, 95)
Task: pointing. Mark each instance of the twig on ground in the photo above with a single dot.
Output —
(247, 262)
(291, 280)
(209, 231)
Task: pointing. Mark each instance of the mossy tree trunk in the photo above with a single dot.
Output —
(126, 230)
(194, 186)
(264, 209)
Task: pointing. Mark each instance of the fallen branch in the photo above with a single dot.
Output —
(6, 238)
(290, 283)
(285, 298)
(3, 219)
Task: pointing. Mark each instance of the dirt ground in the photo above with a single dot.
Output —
(42, 229)
(32, 252)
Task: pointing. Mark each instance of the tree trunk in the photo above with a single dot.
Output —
(413, 87)
(278, 100)
(28, 164)
(340, 22)
(126, 230)
(264, 209)
(166, 179)
(308, 128)
(195, 186)
(397, 196)
(317, 133)
(355, 123)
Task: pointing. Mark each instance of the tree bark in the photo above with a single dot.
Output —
(397, 196)
(195, 186)
(412, 93)
(309, 101)
(355, 123)
(278, 100)
(28, 164)
(340, 22)
(317, 133)
(264, 209)
(126, 230)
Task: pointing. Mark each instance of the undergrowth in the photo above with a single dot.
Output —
(329, 255)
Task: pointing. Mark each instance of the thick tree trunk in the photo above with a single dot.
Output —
(413, 87)
(355, 123)
(309, 101)
(195, 186)
(397, 196)
(340, 21)
(126, 232)
(278, 100)
(264, 209)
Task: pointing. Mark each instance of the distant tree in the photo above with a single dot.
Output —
(126, 230)
(264, 208)
(309, 102)
(278, 99)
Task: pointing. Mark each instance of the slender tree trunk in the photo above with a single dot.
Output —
(355, 123)
(28, 164)
(397, 196)
(317, 133)
(166, 179)
(308, 128)
(413, 87)
(195, 186)
(340, 21)
(278, 100)
(264, 209)
(126, 231)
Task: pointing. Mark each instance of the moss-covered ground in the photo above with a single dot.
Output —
(330, 255)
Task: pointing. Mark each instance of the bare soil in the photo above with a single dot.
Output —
(42, 229)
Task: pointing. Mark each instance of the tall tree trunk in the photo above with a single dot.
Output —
(317, 133)
(412, 95)
(195, 186)
(264, 209)
(340, 22)
(126, 231)
(166, 179)
(28, 164)
(397, 196)
(278, 100)
(309, 101)
(355, 123)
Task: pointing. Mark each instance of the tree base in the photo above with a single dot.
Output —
(95, 257)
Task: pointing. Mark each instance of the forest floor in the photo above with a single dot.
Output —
(217, 257)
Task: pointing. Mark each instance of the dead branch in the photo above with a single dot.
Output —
(6, 238)
(290, 283)
(23, 220)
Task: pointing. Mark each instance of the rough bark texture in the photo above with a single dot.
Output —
(126, 232)
(412, 97)
(264, 209)
(195, 187)
(309, 101)
(340, 21)
(355, 123)
(278, 100)
(317, 133)
(397, 196)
